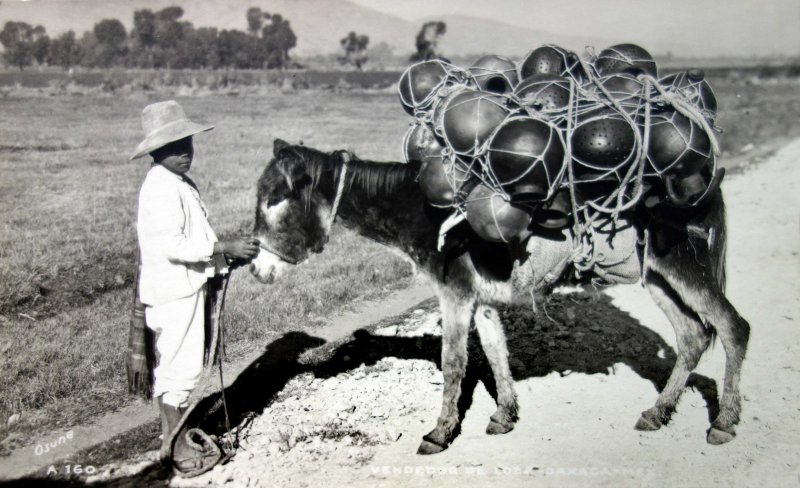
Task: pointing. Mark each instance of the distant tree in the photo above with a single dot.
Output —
(198, 49)
(110, 48)
(170, 14)
(355, 49)
(278, 39)
(110, 32)
(64, 50)
(143, 38)
(427, 41)
(168, 29)
(89, 48)
(239, 50)
(169, 34)
(17, 39)
(205, 42)
(161, 39)
(255, 20)
(144, 28)
(40, 48)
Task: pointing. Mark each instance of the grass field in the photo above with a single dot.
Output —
(67, 211)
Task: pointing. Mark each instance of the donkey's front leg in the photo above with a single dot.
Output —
(456, 316)
(493, 340)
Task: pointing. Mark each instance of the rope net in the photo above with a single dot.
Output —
(601, 129)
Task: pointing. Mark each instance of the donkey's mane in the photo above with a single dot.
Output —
(373, 177)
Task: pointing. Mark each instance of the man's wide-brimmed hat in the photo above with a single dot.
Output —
(165, 122)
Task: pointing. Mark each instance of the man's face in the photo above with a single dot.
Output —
(176, 156)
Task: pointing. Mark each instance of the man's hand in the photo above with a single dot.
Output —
(241, 249)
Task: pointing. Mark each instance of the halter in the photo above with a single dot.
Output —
(280, 255)
(345, 156)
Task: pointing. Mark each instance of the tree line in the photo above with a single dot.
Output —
(162, 39)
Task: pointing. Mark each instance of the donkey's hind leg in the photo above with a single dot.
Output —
(456, 318)
(493, 340)
(688, 274)
(693, 338)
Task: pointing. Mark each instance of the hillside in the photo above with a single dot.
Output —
(319, 24)
(470, 35)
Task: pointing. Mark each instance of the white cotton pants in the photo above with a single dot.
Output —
(180, 330)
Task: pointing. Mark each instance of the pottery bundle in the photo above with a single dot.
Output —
(513, 146)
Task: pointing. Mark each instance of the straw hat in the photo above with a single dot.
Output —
(165, 122)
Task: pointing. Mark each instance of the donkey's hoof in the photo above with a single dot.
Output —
(495, 428)
(647, 422)
(717, 436)
(427, 447)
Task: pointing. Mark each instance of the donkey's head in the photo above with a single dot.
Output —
(293, 210)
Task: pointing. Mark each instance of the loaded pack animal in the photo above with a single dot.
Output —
(679, 256)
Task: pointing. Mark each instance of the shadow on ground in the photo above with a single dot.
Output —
(576, 333)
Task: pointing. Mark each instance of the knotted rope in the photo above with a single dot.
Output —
(586, 94)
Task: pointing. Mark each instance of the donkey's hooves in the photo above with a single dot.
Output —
(427, 447)
(717, 436)
(647, 422)
(495, 428)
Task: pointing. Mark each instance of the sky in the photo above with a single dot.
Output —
(749, 26)
(684, 28)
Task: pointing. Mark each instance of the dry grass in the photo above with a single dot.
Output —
(67, 242)
(67, 211)
(754, 111)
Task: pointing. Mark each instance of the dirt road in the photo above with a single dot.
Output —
(584, 368)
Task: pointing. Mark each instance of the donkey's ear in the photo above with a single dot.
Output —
(277, 145)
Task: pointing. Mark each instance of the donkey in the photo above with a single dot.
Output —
(681, 260)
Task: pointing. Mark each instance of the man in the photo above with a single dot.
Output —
(179, 252)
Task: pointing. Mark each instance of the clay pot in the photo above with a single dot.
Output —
(439, 104)
(419, 83)
(555, 213)
(693, 87)
(677, 145)
(470, 118)
(543, 93)
(551, 60)
(440, 179)
(494, 218)
(602, 140)
(625, 57)
(420, 143)
(623, 86)
(495, 74)
(527, 157)
(691, 190)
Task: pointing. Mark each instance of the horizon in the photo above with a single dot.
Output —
(775, 23)
(682, 29)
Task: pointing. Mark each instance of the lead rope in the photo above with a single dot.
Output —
(218, 344)
(220, 336)
(220, 351)
(221, 309)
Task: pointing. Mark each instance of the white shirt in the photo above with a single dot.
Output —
(176, 241)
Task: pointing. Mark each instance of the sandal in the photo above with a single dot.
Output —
(208, 456)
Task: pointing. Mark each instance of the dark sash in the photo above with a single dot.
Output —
(141, 357)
